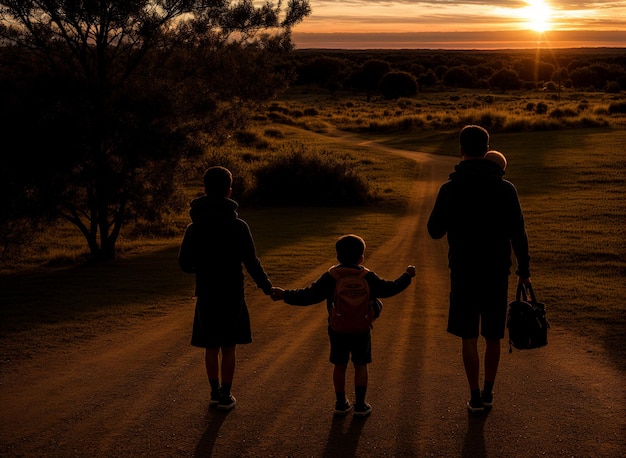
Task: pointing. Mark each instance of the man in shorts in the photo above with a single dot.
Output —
(481, 214)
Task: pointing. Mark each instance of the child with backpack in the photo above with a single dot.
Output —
(351, 292)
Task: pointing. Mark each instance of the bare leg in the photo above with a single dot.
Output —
(471, 362)
(339, 378)
(211, 361)
(492, 359)
(360, 375)
(360, 383)
(229, 359)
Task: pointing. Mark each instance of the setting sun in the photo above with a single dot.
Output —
(539, 15)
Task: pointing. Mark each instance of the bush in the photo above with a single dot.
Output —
(304, 178)
(244, 137)
(562, 113)
(617, 107)
(274, 133)
(311, 112)
(612, 87)
(505, 80)
(398, 84)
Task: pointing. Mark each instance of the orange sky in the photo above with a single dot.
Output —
(380, 23)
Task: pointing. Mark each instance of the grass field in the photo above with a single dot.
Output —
(572, 186)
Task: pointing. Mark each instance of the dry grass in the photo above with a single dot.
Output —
(572, 186)
(510, 112)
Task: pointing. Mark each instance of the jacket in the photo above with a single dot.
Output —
(324, 288)
(216, 246)
(481, 214)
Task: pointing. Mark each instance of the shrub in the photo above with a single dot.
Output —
(274, 133)
(398, 84)
(311, 112)
(541, 108)
(617, 107)
(505, 80)
(244, 137)
(305, 178)
(562, 113)
(612, 87)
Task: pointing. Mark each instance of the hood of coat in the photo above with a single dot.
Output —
(476, 168)
(207, 209)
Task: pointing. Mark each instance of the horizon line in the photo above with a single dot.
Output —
(519, 39)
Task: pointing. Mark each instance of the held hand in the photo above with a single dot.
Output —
(277, 294)
(411, 271)
(523, 281)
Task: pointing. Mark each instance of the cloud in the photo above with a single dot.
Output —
(455, 15)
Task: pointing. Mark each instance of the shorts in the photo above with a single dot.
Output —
(478, 305)
(343, 345)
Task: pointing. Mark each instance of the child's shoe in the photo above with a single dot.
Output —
(362, 410)
(227, 402)
(342, 408)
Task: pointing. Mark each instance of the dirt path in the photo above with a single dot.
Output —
(142, 391)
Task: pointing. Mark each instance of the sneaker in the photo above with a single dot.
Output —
(475, 406)
(487, 399)
(342, 408)
(227, 402)
(362, 410)
(215, 398)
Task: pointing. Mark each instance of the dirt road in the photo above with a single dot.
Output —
(142, 391)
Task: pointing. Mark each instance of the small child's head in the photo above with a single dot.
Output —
(350, 249)
(218, 182)
(497, 157)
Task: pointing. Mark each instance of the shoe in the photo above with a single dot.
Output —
(475, 406)
(215, 398)
(362, 410)
(342, 408)
(487, 399)
(227, 402)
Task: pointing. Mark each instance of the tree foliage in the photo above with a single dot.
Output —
(505, 80)
(102, 100)
(398, 84)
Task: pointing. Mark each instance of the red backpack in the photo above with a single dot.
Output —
(351, 311)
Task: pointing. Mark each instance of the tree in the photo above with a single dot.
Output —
(323, 70)
(459, 76)
(398, 84)
(583, 77)
(104, 99)
(505, 79)
(369, 75)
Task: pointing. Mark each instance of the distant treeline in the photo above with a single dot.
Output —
(418, 70)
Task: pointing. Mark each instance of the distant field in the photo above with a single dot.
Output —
(571, 180)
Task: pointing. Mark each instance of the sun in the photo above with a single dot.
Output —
(539, 14)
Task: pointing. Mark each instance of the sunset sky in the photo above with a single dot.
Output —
(462, 24)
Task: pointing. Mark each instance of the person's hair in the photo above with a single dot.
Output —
(350, 248)
(474, 141)
(496, 157)
(217, 181)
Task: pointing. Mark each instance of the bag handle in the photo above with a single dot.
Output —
(525, 291)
